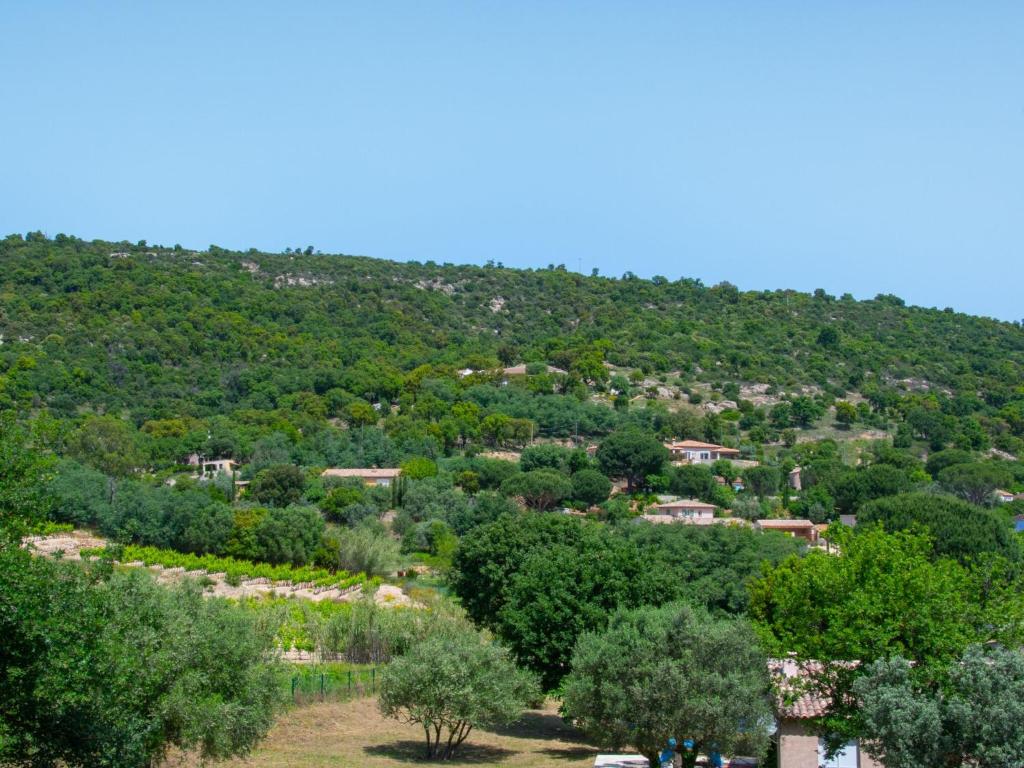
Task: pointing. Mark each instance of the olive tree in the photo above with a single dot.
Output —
(674, 671)
(973, 720)
(108, 670)
(450, 684)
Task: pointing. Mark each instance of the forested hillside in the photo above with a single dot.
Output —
(162, 332)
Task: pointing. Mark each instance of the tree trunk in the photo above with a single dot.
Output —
(430, 752)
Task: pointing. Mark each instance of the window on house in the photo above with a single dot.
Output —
(845, 758)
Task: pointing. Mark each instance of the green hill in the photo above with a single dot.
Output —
(159, 332)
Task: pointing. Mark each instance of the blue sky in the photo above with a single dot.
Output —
(864, 147)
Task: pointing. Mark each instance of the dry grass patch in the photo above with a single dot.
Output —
(354, 734)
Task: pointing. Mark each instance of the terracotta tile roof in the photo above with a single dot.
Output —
(784, 525)
(795, 695)
(686, 504)
(682, 445)
(373, 472)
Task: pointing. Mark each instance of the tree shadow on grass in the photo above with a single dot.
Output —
(570, 753)
(409, 751)
(540, 726)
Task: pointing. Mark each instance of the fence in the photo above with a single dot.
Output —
(325, 684)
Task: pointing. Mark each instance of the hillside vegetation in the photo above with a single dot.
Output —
(168, 332)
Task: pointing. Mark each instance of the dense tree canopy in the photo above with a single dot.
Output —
(958, 529)
(538, 581)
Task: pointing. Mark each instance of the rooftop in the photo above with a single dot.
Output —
(682, 445)
(784, 524)
(795, 695)
(361, 472)
(686, 504)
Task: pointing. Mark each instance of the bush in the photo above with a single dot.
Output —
(544, 457)
(368, 549)
(655, 673)
(418, 468)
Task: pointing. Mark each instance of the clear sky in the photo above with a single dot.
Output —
(862, 146)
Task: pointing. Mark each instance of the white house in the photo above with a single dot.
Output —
(696, 452)
(687, 510)
(210, 468)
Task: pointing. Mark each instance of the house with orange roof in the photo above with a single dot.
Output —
(369, 475)
(797, 703)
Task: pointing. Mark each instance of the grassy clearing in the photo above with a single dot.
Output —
(354, 735)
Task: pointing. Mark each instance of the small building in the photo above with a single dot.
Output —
(689, 510)
(697, 452)
(793, 479)
(369, 475)
(801, 529)
(797, 703)
(1003, 497)
(210, 468)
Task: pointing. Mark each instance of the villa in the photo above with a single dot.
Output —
(696, 452)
